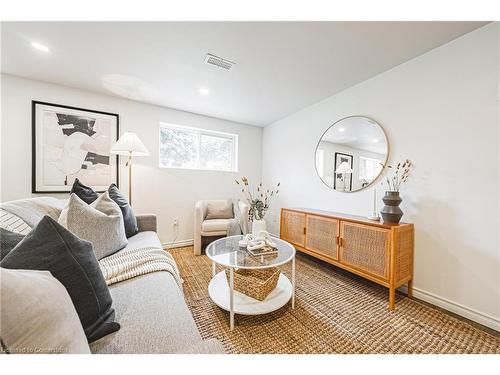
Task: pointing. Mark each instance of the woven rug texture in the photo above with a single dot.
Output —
(335, 312)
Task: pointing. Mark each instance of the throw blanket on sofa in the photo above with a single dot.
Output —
(127, 264)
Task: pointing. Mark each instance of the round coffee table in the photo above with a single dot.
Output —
(227, 253)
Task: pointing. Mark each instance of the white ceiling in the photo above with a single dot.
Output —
(359, 133)
(281, 67)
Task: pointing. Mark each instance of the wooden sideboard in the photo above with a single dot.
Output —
(380, 252)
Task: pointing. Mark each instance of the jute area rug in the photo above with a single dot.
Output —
(335, 312)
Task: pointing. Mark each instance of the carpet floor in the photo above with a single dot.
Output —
(335, 312)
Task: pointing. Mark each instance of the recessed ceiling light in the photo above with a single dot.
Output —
(203, 91)
(40, 47)
(341, 129)
(376, 140)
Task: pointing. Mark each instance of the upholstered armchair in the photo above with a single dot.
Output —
(204, 227)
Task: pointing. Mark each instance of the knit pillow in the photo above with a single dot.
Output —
(100, 223)
(88, 195)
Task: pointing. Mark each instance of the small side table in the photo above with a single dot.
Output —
(227, 253)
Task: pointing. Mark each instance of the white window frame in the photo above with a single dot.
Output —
(371, 159)
(200, 131)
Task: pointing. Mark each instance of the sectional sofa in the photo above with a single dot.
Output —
(151, 309)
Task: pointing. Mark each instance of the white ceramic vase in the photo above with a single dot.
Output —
(257, 226)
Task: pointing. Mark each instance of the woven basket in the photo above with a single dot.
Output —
(256, 283)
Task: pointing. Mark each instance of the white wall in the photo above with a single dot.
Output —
(440, 110)
(170, 193)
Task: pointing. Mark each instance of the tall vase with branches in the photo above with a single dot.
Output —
(259, 199)
(391, 213)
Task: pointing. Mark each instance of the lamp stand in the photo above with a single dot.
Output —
(129, 164)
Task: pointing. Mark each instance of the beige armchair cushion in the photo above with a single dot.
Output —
(219, 210)
(214, 225)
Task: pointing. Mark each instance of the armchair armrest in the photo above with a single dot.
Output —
(199, 214)
(147, 222)
(244, 208)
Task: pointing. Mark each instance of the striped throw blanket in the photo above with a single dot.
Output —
(127, 264)
(13, 223)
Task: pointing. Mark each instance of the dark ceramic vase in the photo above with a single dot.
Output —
(391, 213)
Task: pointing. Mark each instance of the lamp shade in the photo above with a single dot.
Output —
(129, 144)
(343, 168)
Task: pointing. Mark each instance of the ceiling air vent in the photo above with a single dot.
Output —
(218, 62)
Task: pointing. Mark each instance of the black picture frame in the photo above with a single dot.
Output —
(337, 163)
(34, 104)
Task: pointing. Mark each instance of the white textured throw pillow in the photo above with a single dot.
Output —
(100, 223)
(37, 315)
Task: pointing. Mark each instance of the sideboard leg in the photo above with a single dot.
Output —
(410, 288)
(392, 298)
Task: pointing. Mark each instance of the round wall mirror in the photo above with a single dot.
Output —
(351, 154)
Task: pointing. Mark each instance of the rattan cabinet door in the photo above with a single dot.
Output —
(293, 226)
(322, 235)
(366, 248)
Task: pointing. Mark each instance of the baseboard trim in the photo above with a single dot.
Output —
(175, 244)
(457, 308)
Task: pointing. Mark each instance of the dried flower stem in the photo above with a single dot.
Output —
(401, 173)
(258, 198)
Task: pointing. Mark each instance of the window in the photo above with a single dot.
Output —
(369, 168)
(193, 148)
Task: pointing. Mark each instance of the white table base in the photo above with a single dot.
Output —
(220, 293)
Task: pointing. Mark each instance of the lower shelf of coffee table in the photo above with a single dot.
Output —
(218, 289)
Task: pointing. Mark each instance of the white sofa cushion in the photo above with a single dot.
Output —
(37, 315)
(214, 225)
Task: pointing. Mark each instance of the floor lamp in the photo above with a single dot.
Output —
(344, 169)
(129, 144)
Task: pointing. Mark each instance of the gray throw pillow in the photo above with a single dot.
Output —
(50, 246)
(100, 223)
(85, 193)
(88, 195)
(37, 315)
(8, 241)
(222, 210)
(129, 218)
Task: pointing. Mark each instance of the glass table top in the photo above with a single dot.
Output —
(227, 252)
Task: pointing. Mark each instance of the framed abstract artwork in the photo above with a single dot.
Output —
(70, 143)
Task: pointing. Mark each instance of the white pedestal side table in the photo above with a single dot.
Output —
(228, 254)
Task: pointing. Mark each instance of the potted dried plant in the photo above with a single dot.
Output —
(391, 213)
(258, 199)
